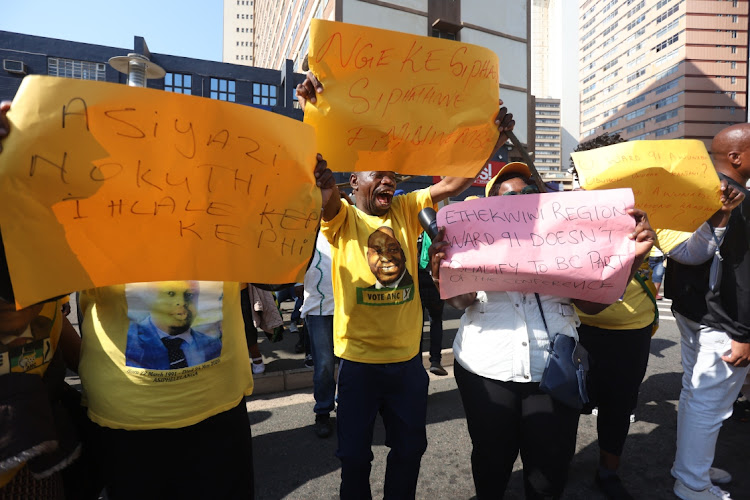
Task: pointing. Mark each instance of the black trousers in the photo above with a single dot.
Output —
(618, 365)
(211, 459)
(507, 417)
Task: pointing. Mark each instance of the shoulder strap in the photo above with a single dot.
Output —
(544, 320)
(646, 289)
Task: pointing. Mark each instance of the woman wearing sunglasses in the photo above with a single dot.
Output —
(500, 352)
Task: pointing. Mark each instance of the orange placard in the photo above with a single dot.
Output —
(394, 101)
(106, 184)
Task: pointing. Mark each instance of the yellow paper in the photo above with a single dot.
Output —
(673, 181)
(106, 184)
(394, 101)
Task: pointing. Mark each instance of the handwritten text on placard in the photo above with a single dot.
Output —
(422, 105)
(572, 244)
(105, 184)
(674, 181)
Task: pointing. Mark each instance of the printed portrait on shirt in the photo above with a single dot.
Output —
(393, 284)
(173, 324)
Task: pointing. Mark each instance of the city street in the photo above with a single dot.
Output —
(291, 462)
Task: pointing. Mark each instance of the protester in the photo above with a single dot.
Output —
(618, 340)
(317, 312)
(292, 292)
(710, 295)
(434, 305)
(165, 433)
(500, 353)
(258, 311)
(378, 327)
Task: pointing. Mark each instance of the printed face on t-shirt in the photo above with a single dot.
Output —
(385, 256)
(174, 305)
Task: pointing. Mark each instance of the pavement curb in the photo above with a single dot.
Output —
(271, 382)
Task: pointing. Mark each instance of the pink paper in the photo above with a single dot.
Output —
(570, 244)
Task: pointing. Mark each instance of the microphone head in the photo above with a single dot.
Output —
(428, 220)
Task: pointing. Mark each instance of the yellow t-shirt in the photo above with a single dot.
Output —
(634, 311)
(126, 369)
(31, 352)
(377, 314)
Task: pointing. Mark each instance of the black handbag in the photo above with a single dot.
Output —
(564, 377)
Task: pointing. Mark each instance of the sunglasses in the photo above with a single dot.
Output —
(527, 190)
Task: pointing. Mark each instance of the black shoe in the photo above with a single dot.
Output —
(323, 427)
(299, 347)
(612, 487)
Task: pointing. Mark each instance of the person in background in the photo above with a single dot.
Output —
(500, 351)
(434, 305)
(656, 263)
(317, 312)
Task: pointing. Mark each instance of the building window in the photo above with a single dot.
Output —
(80, 70)
(222, 89)
(436, 33)
(264, 94)
(734, 34)
(178, 83)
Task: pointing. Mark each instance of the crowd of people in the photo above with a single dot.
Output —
(162, 411)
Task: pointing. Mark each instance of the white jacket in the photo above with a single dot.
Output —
(502, 335)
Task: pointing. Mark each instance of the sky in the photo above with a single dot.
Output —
(189, 28)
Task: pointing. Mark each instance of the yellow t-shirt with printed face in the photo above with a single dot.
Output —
(378, 313)
(133, 379)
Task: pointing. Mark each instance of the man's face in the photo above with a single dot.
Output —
(374, 190)
(385, 256)
(174, 307)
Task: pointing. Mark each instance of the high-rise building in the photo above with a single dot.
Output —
(239, 44)
(555, 117)
(662, 69)
(282, 31)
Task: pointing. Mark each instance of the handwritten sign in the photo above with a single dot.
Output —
(106, 184)
(570, 244)
(673, 181)
(421, 105)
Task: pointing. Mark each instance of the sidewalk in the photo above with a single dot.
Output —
(286, 370)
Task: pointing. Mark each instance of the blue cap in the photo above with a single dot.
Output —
(398, 192)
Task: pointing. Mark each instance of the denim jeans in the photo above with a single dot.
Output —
(288, 294)
(709, 388)
(320, 332)
(398, 391)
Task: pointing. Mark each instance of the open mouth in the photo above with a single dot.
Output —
(384, 198)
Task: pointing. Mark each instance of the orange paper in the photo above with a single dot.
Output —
(106, 184)
(418, 105)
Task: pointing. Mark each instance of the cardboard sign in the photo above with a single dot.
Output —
(673, 181)
(572, 244)
(106, 184)
(394, 101)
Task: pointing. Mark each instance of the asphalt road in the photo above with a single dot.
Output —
(292, 463)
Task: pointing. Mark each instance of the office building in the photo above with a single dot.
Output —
(662, 69)
(238, 43)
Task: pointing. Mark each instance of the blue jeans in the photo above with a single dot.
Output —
(320, 332)
(398, 391)
(657, 268)
(288, 294)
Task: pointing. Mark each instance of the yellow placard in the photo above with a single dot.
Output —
(394, 101)
(106, 184)
(673, 181)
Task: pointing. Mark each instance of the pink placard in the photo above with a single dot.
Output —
(570, 244)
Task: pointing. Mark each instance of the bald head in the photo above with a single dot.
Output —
(731, 152)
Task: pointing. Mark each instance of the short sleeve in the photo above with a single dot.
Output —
(332, 228)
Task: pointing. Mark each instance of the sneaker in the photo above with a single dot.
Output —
(612, 487)
(293, 327)
(309, 361)
(258, 366)
(719, 476)
(437, 369)
(659, 297)
(712, 493)
(323, 427)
